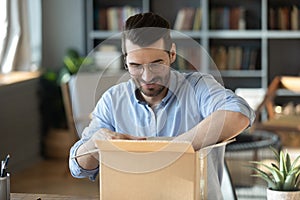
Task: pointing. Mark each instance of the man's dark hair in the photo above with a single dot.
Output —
(136, 30)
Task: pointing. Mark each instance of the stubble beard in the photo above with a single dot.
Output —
(152, 92)
(161, 83)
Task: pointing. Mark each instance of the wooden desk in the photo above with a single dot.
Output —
(25, 196)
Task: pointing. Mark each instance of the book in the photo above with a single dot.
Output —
(222, 58)
(102, 19)
(238, 58)
(225, 18)
(212, 19)
(179, 19)
(231, 58)
(253, 59)
(219, 17)
(283, 18)
(295, 18)
(246, 58)
(234, 18)
(219, 56)
(112, 19)
(184, 19)
(188, 19)
(242, 20)
(272, 19)
(197, 19)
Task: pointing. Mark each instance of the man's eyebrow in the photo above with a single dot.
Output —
(154, 61)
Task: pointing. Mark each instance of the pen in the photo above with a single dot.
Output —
(6, 160)
(4, 166)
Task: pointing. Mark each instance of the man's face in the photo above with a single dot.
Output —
(151, 82)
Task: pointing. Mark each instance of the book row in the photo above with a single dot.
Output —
(284, 18)
(188, 18)
(227, 18)
(113, 18)
(235, 57)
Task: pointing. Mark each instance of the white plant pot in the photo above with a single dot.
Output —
(282, 195)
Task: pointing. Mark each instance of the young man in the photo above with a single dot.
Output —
(159, 101)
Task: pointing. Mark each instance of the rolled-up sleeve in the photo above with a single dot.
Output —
(97, 122)
(75, 169)
(213, 96)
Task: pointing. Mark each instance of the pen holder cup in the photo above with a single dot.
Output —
(5, 187)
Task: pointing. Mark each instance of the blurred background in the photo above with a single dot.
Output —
(43, 43)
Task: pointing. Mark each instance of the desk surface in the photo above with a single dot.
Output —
(25, 196)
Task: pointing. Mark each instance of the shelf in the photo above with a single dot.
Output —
(183, 34)
(222, 34)
(240, 73)
(283, 34)
(235, 34)
(274, 56)
(103, 34)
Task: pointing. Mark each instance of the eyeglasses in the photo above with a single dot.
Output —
(137, 70)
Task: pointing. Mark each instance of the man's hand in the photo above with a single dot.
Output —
(106, 134)
(90, 161)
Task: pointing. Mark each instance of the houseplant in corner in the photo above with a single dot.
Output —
(57, 139)
(283, 176)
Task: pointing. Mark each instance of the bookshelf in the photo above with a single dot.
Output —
(261, 32)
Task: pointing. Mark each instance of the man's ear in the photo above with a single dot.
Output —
(173, 53)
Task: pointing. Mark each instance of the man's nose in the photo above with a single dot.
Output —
(147, 74)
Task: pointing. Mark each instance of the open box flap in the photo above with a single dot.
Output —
(224, 143)
(152, 145)
(144, 146)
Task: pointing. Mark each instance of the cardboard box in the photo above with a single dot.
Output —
(150, 170)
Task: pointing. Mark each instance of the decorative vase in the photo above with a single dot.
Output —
(282, 195)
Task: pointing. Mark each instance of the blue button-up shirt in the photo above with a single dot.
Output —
(191, 97)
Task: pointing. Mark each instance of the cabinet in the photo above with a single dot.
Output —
(263, 33)
(20, 120)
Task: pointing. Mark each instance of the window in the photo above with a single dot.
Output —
(20, 36)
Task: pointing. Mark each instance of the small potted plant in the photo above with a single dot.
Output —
(57, 140)
(283, 176)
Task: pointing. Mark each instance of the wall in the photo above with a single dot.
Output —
(63, 27)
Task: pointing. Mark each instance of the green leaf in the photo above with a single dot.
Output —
(297, 182)
(278, 176)
(282, 164)
(288, 162)
(72, 53)
(289, 183)
(295, 162)
(51, 76)
(274, 165)
(270, 182)
(71, 66)
(275, 153)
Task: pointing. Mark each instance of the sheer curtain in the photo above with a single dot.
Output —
(20, 35)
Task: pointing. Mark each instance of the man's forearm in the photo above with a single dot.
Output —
(219, 126)
(89, 161)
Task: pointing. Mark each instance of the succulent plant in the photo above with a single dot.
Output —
(281, 175)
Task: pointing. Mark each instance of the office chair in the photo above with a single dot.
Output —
(80, 94)
(67, 101)
(286, 125)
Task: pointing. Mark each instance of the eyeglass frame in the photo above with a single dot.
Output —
(143, 65)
